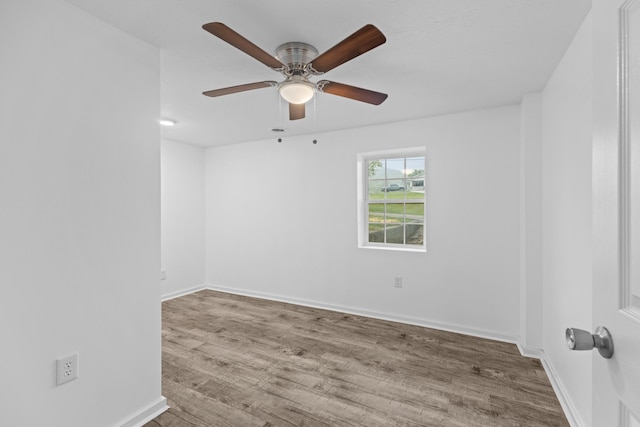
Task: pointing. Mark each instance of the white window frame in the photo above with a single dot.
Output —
(363, 199)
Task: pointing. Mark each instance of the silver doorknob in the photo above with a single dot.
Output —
(577, 339)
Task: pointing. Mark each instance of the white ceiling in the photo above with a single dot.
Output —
(441, 56)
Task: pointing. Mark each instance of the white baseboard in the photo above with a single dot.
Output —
(534, 353)
(568, 407)
(183, 292)
(147, 414)
(375, 315)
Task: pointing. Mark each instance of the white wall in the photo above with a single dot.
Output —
(531, 224)
(281, 222)
(567, 222)
(183, 225)
(79, 223)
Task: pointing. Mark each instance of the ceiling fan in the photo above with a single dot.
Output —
(298, 61)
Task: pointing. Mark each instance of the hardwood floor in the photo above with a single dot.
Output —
(236, 361)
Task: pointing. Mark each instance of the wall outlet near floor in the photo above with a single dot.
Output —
(397, 282)
(163, 274)
(66, 369)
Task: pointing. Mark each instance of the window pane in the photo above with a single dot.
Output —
(395, 213)
(415, 212)
(415, 233)
(376, 189)
(376, 212)
(415, 166)
(395, 168)
(376, 169)
(413, 192)
(395, 233)
(415, 175)
(394, 189)
(376, 233)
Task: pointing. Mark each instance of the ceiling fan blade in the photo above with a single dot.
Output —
(296, 111)
(351, 92)
(225, 33)
(239, 88)
(363, 40)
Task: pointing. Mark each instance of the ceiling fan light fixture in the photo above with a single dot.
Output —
(297, 61)
(296, 90)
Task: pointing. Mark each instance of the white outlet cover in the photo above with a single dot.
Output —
(66, 369)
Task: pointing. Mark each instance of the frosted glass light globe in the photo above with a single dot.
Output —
(296, 92)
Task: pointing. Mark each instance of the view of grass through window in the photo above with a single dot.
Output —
(395, 200)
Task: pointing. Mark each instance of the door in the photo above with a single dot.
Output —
(616, 204)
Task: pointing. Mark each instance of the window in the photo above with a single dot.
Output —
(392, 190)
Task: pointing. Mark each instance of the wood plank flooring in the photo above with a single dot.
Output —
(230, 360)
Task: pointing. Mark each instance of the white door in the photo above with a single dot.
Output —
(616, 203)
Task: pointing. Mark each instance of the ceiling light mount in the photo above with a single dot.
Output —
(295, 55)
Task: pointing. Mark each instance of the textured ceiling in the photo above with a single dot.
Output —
(441, 56)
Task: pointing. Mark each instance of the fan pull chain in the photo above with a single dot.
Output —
(279, 98)
(315, 109)
(279, 118)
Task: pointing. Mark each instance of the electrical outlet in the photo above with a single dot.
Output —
(66, 369)
(163, 274)
(397, 281)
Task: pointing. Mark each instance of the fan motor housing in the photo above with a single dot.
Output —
(296, 55)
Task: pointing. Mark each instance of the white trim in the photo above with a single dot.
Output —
(389, 247)
(183, 292)
(534, 353)
(493, 335)
(567, 405)
(381, 154)
(564, 397)
(625, 162)
(147, 414)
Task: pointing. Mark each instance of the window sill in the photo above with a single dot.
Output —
(393, 248)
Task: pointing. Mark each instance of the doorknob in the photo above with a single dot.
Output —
(577, 339)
